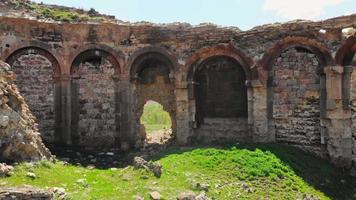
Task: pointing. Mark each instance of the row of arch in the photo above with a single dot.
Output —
(151, 57)
(343, 56)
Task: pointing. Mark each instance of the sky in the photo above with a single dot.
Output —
(244, 14)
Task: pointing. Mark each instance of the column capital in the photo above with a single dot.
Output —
(334, 70)
(254, 84)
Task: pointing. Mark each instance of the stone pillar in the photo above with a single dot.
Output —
(257, 112)
(337, 120)
(126, 103)
(182, 112)
(66, 110)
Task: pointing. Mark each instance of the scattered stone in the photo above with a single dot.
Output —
(5, 170)
(126, 177)
(155, 195)
(203, 186)
(202, 196)
(110, 153)
(26, 193)
(189, 195)
(138, 197)
(31, 175)
(246, 188)
(155, 168)
(59, 193)
(144, 177)
(90, 167)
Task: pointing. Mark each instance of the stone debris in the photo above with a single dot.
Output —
(155, 168)
(26, 193)
(190, 195)
(31, 175)
(19, 137)
(5, 170)
(155, 195)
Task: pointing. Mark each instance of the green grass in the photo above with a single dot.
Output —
(272, 171)
(155, 118)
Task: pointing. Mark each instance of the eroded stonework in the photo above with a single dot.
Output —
(96, 101)
(296, 99)
(293, 84)
(19, 138)
(34, 77)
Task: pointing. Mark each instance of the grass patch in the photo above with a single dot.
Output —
(233, 172)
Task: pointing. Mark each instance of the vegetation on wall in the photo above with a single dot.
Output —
(57, 13)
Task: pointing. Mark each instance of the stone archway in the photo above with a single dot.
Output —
(94, 99)
(220, 96)
(37, 71)
(296, 96)
(152, 79)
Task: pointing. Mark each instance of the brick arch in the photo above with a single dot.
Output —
(11, 58)
(346, 53)
(117, 58)
(323, 54)
(224, 50)
(39, 98)
(296, 94)
(162, 55)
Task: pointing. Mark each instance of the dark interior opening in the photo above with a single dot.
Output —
(220, 90)
(151, 68)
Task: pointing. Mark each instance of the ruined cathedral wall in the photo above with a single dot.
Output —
(92, 102)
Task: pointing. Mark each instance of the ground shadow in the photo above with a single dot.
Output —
(319, 173)
(335, 183)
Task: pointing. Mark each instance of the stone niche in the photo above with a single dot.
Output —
(94, 101)
(34, 78)
(220, 95)
(295, 92)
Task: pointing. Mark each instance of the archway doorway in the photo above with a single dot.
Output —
(152, 79)
(156, 123)
(220, 95)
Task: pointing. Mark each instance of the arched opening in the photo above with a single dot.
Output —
(153, 81)
(35, 70)
(220, 94)
(295, 95)
(156, 122)
(95, 105)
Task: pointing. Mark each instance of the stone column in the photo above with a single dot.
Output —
(66, 110)
(182, 112)
(257, 112)
(126, 103)
(337, 120)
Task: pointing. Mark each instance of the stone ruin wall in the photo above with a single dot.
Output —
(296, 99)
(88, 87)
(34, 78)
(19, 136)
(353, 109)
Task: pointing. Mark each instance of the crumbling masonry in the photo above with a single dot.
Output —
(290, 83)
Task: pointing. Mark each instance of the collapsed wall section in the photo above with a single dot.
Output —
(19, 137)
